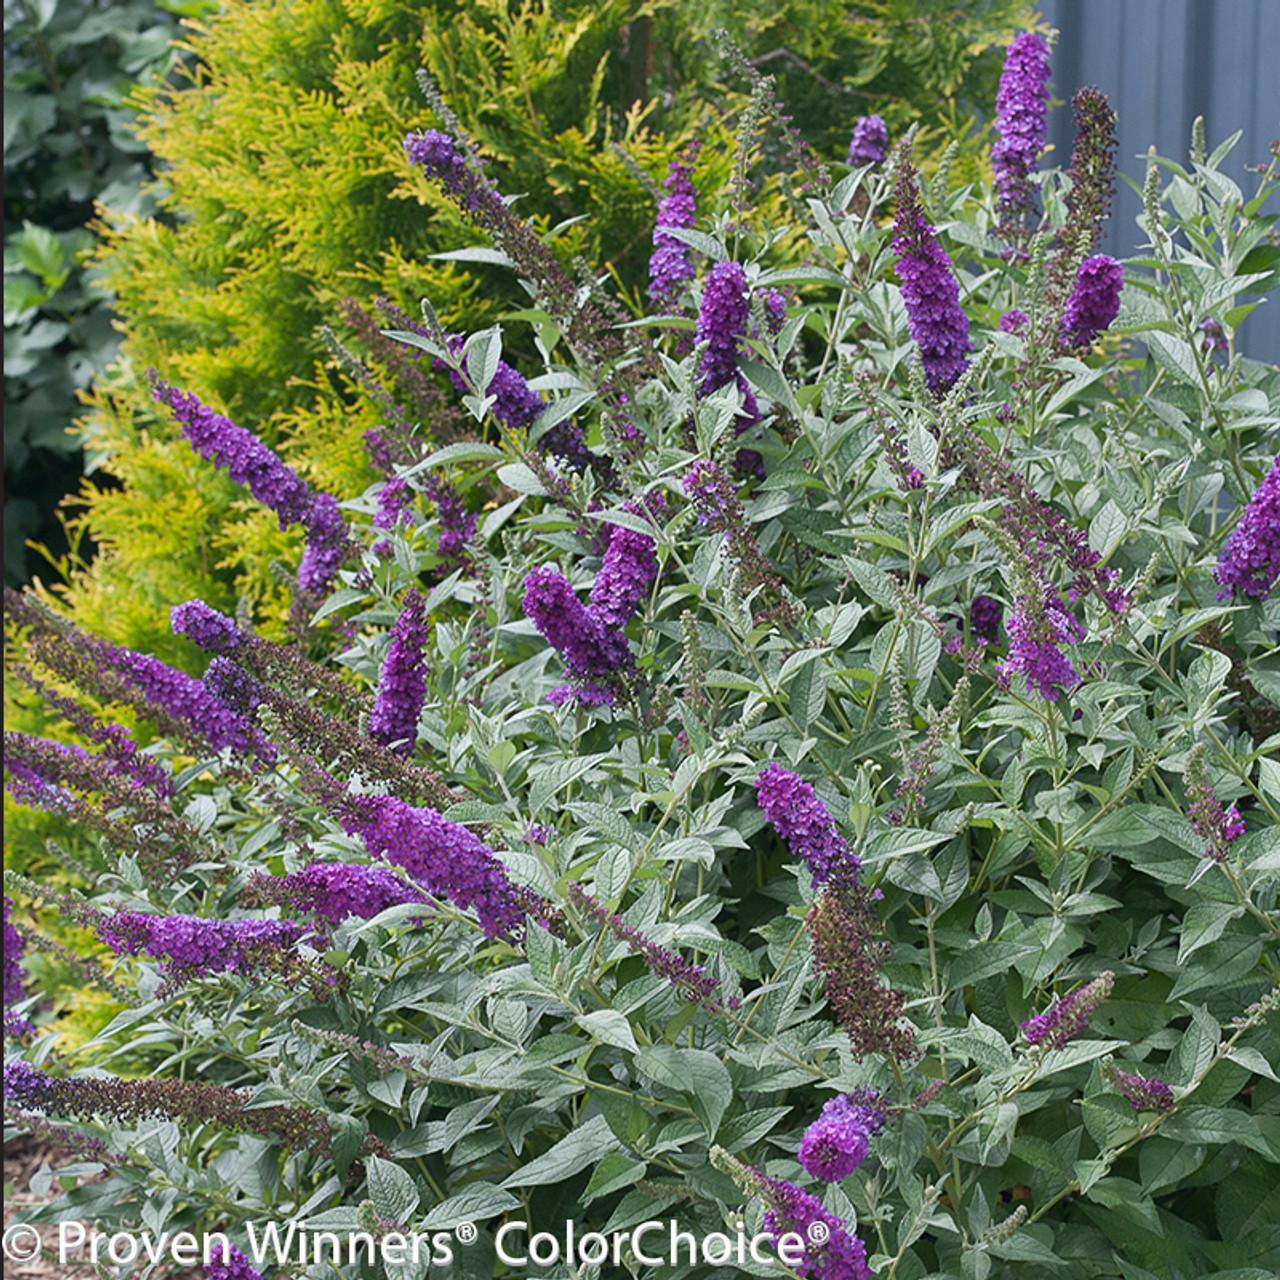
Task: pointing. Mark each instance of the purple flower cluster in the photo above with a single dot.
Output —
(1094, 302)
(835, 1144)
(402, 686)
(1143, 1092)
(722, 324)
(446, 859)
(1065, 1019)
(1219, 828)
(438, 154)
(1214, 338)
(214, 632)
(393, 498)
(275, 485)
(869, 142)
(457, 524)
(228, 1263)
(801, 819)
(233, 686)
(985, 617)
(1022, 109)
(691, 980)
(1013, 321)
(13, 975)
(835, 1253)
(593, 659)
(1250, 560)
(670, 267)
(628, 569)
(930, 292)
(335, 890)
(1035, 632)
(193, 947)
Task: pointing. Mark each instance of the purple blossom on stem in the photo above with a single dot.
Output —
(596, 660)
(1022, 109)
(869, 142)
(402, 686)
(834, 1254)
(985, 617)
(1013, 321)
(1219, 828)
(1094, 302)
(671, 267)
(691, 980)
(457, 524)
(628, 570)
(801, 819)
(1035, 632)
(835, 1144)
(1065, 1019)
(233, 686)
(214, 632)
(1250, 560)
(228, 1263)
(334, 890)
(393, 498)
(930, 292)
(446, 859)
(1214, 338)
(1143, 1092)
(13, 975)
(722, 325)
(250, 462)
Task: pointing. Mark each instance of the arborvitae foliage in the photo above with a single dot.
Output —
(288, 193)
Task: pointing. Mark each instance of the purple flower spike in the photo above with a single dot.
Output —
(275, 485)
(801, 819)
(722, 323)
(402, 687)
(13, 975)
(1250, 560)
(1034, 637)
(1094, 302)
(228, 1263)
(869, 142)
(594, 657)
(336, 890)
(1022, 109)
(214, 632)
(832, 1251)
(930, 292)
(1065, 1019)
(1142, 1092)
(836, 1143)
(671, 267)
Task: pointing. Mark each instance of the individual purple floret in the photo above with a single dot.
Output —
(275, 485)
(691, 980)
(832, 1251)
(1250, 560)
(1094, 302)
(214, 632)
(13, 975)
(1022, 109)
(335, 890)
(228, 1263)
(446, 859)
(930, 292)
(1065, 1019)
(1035, 634)
(801, 819)
(1214, 338)
(402, 686)
(869, 142)
(835, 1144)
(671, 268)
(1142, 1092)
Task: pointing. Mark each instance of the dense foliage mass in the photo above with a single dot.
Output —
(286, 192)
(801, 765)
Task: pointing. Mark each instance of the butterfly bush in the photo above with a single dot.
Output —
(859, 834)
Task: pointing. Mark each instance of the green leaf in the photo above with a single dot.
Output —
(1174, 356)
(392, 1190)
(609, 1027)
(1253, 1061)
(615, 1171)
(1204, 923)
(573, 1153)
(477, 1203)
(695, 1071)
(1216, 1125)
(1107, 528)
(347, 1132)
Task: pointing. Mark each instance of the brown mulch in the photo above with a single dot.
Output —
(23, 1158)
